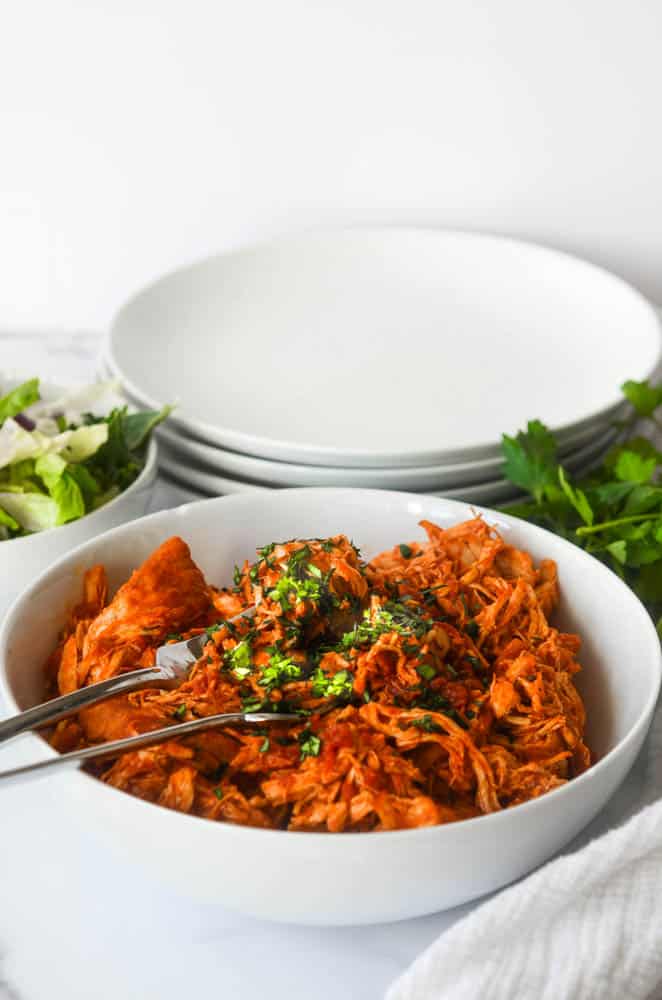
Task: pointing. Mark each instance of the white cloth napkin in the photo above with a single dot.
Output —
(586, 926)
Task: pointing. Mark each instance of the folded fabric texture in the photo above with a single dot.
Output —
(586, 925)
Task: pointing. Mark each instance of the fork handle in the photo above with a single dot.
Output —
(116, 747)
(68, 704)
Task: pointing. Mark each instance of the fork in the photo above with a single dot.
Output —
(116, 747)
(171, 667)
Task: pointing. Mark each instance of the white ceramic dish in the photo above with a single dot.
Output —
(346, 878)
(383, 347)
(576, 450)
(258, 470)
(211, 484)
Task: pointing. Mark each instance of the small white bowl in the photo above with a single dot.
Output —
(350, 878)
(22, 559)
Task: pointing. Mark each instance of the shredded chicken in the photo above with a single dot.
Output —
(430, 683)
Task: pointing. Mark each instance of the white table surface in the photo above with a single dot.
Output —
(76, 924)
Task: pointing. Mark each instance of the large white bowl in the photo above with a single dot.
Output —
(347, 878)
(22, 559)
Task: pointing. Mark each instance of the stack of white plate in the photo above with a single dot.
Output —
(386, 357)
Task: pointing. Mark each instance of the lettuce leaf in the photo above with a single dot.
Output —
(33, 511)
(17, 444)
(50, 468)
(89, 486)
(62, 487)
(67, 495)
(19, 399)
(80, 444)
(138, 426)
(7, 521)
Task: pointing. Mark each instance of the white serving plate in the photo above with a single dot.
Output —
(230, 463)
(211, 484)
(575, 450)
(345, 878)
(383, 346)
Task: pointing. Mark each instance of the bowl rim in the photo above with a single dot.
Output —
(144, 476)
(570, 788)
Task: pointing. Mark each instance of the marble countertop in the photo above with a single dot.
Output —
(77, 924)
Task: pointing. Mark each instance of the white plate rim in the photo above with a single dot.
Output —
(270, 474)
(204, 481)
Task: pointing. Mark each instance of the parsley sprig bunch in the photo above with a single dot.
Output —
(615, 510)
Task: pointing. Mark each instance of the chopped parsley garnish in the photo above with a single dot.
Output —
(211, 630)
(309, 744)
(252, 704)
(174, 637)
(434, 701)
(289, 591)
(426, 671)
(427, 724)
(328, 545)
(407, 620)
(281, 670)
(340, 685)
(266, 550)
(236, 576)
(405, 551)
(298, 557)
(239, 660)
(179, 712)
(472, 628)
(475, 662)
(218, 792)
(392, 617)
(265, 745)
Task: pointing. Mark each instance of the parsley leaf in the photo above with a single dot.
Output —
(633, 468)
(644, 397)
(613, 511)
(340, 685)
(239, 659)
(530, 458)
(281, 670)
(577, 498)
(309, 744)
(427, 724)
(19, 399)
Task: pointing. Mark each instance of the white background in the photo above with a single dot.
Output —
(136, 135)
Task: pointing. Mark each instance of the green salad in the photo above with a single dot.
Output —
(59, 461)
